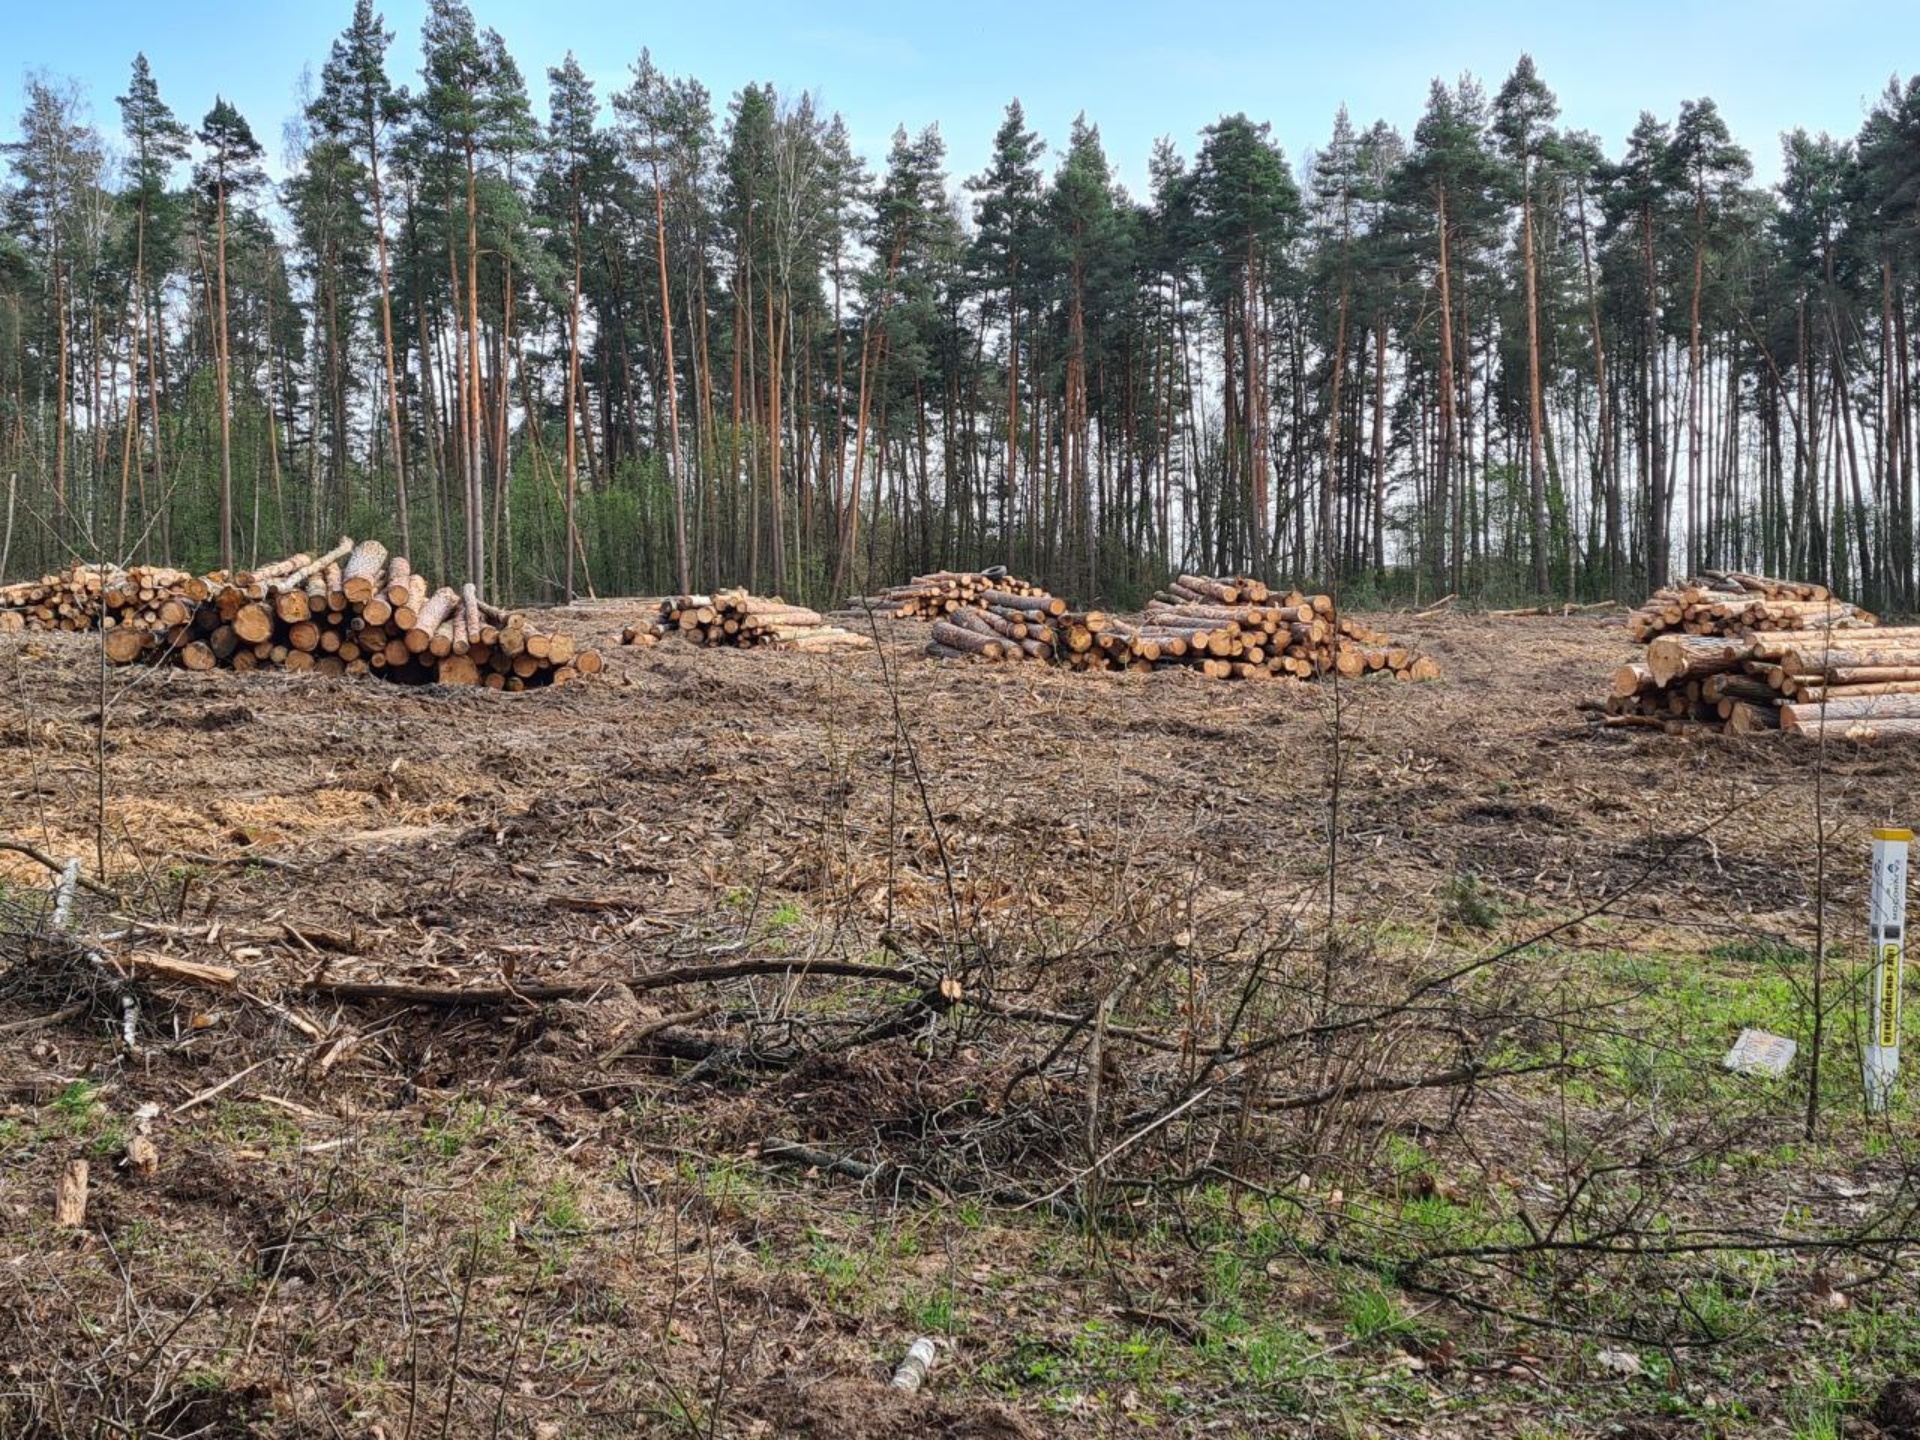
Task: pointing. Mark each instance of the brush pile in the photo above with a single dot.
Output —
(733, 617)
(1221, 628)
(1859, 683)
(1722, 602)
(353, 611)
(935, 596)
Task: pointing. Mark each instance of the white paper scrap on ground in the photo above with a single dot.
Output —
(1757, 1052)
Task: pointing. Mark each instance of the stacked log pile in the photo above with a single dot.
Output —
(1733, 603)
(939, 595)
(735, 618)
(353, 611)
(100, 597)
(1011, 624)
(1858, 683)
(1221, 628)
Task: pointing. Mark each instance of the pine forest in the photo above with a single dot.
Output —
(655, 339)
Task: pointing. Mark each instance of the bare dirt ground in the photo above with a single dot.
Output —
(560, 1212)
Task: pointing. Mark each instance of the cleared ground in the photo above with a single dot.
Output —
(424, 1219)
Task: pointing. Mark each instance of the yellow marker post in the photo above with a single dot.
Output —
(1887, 934)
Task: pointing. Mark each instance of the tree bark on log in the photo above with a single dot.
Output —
(361, 575)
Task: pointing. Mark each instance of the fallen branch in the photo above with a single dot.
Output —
(45, 1022)
(205, 1095)
(140, 966)
(792, 1152)
(454, 995)
(20, 847)
(640, 1034)
(450, 995)
(841, 969)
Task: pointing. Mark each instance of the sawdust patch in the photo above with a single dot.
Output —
(275, 819)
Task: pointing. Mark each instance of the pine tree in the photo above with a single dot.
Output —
(1637, 201)
(1006, 218)
(1523, 118)
(358, 108)
(323, 200)
(1450, 175)
(57, 161)
(657, 134)
(1170, 249)
(1381, 266)
(912, 229)
(1247, 211)
(157, 145)
(578, 155)
(473, 112)
(1580, 162)
(844, 194)
(1889, 173)
(1337, 182)
(228, 171)
(1705, 165)
(1462, 359)
(1083, 219)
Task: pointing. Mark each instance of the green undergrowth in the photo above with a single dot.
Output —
(629, 1248)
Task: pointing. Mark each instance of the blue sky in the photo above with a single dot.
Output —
(1138, 70)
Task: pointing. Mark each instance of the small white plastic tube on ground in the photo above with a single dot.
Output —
(63, 895)
(913, 1370)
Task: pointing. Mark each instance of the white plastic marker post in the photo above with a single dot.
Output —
(1887, 933)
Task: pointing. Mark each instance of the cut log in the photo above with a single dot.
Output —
(304, 575)
(253, 623)
(1809, 660)
(470, 610)
(361, 575)
(399, 581)
(955, 637)
(1863, 729)
(126, 644)
(1747, 719)
(438, 607)
(291, 606)
(1815, 694)
(140, 965)
(1039, 604)
(458, 670)
(1673, 657)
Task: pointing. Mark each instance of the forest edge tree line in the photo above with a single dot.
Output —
(643, 346)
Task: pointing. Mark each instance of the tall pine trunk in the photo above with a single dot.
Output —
(1439, 498)
(1536, 410)
(475, 435)
(386, 337)
(224, 377)
(678, 476)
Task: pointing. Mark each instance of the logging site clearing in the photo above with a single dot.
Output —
(667, 1053)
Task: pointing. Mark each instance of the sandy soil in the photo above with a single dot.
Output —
(686, 775)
